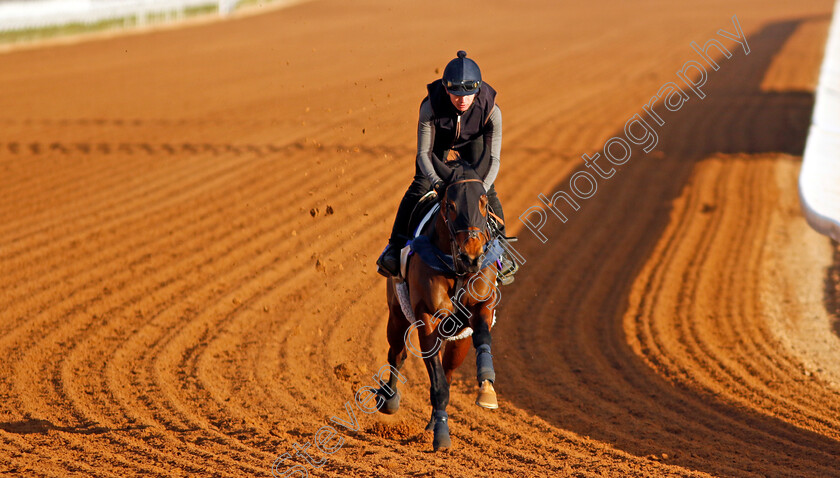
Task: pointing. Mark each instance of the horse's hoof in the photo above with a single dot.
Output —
(430, 427)
(441, 440)
(389, 405)
(487, 396)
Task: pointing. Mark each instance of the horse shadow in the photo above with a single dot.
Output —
(611, 395)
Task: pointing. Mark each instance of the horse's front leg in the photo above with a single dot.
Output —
(485, 373)
(431, 345)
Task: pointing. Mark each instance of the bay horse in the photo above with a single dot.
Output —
(444, 303)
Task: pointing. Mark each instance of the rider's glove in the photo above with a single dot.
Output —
(438, 187)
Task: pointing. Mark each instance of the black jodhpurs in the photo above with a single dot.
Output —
(419, 187)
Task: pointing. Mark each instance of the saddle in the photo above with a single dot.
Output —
(425, 209)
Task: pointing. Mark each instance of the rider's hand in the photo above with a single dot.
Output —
(438, 187)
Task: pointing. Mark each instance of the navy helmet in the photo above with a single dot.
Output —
(462, 77)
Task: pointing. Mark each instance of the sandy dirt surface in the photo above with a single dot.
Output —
(171, 306)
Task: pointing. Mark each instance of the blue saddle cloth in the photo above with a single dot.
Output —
(441, 262)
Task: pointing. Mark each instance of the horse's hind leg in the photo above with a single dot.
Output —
(396, 358)
(397, 325)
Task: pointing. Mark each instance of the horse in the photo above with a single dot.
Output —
(445, 303)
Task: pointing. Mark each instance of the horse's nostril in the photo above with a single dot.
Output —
(471, 263)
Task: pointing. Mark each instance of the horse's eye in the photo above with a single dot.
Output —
(452, 206)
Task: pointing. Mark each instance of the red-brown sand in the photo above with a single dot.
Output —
(170, 307)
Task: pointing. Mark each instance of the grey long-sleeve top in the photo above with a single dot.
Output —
(425, 139)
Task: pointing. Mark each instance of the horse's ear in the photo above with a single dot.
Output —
(482, 167)
(476, 172)
(444, 171)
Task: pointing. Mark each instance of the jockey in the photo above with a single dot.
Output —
(459, 113)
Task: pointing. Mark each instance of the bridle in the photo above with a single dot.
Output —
(472, 231)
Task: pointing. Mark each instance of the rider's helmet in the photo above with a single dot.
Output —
(461, 77)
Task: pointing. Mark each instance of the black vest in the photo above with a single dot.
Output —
(470, 142)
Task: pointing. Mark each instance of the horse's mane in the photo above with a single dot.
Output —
(461, 170)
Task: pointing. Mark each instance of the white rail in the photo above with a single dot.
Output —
(21, 15)
(819, 179)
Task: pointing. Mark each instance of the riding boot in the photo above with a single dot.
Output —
(509, 265)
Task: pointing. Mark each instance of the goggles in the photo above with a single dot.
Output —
(462, 86)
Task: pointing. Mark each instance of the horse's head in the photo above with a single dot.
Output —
(464, 210)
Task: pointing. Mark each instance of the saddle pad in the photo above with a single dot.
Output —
(437, 260)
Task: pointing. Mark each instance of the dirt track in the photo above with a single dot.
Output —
(171, 308)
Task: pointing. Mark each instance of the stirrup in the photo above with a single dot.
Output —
(383, 272)
(380, 267)
(508, 269)
(506, 277)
